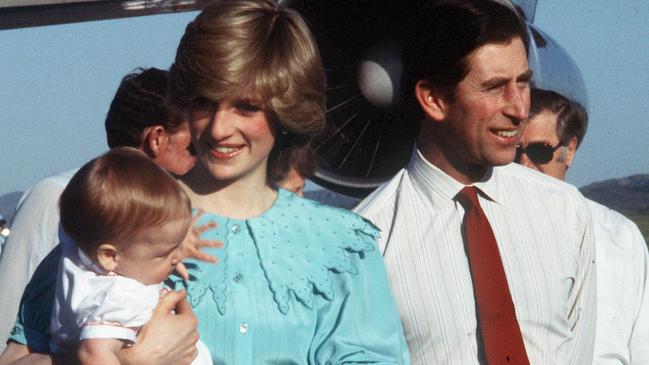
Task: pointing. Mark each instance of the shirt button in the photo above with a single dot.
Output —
(236, 277)
(235, 228)
(243, 328)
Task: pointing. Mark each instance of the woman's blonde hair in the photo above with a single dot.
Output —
(235, 47)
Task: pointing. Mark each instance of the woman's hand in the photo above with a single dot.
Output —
(190, 247)
(167, 338)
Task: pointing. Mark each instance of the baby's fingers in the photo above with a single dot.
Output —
(205, 257)
(209, 243)
(205, 227)
(182, 271)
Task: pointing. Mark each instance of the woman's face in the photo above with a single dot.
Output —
(232, 137)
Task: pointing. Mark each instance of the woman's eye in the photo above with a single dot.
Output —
(247, 107)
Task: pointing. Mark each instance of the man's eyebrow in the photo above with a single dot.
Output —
(496, 81)
(525, 76)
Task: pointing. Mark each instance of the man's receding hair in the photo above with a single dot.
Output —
(116, 194)
(572, 118)
(445, 32)
(139, 102)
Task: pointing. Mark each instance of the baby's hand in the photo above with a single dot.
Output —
(190, 247)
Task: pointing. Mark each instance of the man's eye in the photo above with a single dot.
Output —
(523, 83)
(495, 87)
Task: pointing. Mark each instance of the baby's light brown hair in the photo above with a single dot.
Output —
(117, 194)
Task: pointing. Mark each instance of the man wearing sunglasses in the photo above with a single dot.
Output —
(555, 130)
(553, 133)
(489, 262)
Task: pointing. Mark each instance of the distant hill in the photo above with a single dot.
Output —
(629, 195)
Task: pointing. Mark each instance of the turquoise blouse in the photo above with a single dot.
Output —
(302, 283)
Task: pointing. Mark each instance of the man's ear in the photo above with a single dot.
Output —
(431, 100)
(571, 149)
(107, 256)
(154, 140)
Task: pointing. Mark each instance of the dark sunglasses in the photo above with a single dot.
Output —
(537, 152)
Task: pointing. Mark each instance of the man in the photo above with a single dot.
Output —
(137, 117)
(553, 134)
(490, 263)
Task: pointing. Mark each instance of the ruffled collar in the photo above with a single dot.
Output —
(301, 245)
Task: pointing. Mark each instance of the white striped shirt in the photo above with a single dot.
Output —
(622, 289)
(544, 234)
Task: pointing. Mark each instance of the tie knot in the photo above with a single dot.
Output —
(468, 197)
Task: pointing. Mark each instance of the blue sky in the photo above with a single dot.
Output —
(57, 82)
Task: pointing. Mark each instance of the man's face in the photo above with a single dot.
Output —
(542, 129)
(482, 124)
(175, 155)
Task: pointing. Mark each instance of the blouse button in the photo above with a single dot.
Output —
(236, 277)
(235, 228)
(243, 328)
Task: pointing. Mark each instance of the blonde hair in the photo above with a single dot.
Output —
(238, 46)
(117, 194)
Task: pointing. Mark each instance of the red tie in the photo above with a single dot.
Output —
(501, 336)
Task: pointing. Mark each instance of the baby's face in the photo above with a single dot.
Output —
(151, 254)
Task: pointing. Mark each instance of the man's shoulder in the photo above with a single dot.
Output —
(49, 187)
(60, 179)
(535, 180)
(612, 221)
(383, 197)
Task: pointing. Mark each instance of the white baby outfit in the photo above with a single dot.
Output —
(91, 303)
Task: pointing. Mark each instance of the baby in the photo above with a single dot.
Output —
(127, 220)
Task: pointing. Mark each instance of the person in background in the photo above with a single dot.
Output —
(298, 165)
(137, 117)
(490, 262)
(554, 132)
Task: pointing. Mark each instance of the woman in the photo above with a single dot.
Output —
(298, 282)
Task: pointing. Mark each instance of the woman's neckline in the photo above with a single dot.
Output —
(280, 194)
(241, 200)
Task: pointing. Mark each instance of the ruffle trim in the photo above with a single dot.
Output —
(294, 266)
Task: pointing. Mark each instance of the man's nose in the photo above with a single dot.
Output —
(518, 104)
(525, 161)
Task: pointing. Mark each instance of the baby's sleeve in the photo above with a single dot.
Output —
(118, 312)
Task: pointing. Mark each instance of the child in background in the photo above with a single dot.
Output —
(128, 221)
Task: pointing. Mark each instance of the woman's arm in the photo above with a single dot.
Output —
(12, 353)
(154, 344)
(362, 324)
(19, 354)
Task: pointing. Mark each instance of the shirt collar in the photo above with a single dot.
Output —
(89, 264)
(439, 187)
